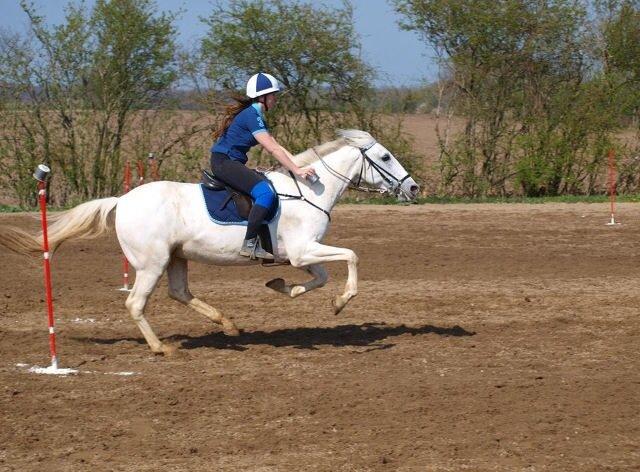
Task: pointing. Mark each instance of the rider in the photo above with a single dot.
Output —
(242, 128)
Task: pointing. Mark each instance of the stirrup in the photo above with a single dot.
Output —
(251, 248)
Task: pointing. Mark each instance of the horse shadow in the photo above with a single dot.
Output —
(364, 335)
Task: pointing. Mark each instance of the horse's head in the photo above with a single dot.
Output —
(380, 168)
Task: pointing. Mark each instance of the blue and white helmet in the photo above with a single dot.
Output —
(261, 84)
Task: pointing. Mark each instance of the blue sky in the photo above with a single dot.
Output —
(399, 56)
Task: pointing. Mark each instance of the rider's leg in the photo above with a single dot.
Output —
(240, 177)
(264, 199)
(234, 173)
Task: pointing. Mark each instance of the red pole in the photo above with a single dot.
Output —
(125, 262)
(42, 193)
(612, 184)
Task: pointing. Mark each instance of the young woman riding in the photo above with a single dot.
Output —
(242, 128)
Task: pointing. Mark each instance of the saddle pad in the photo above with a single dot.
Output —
(227, 214)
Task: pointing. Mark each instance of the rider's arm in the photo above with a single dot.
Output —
(282, 155)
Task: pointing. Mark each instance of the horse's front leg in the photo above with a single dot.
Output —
(320, 278)
(317, 253)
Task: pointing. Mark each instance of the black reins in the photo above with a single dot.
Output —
(302, 197)
(387, 176)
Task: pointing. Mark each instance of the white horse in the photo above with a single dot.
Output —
(161, 225)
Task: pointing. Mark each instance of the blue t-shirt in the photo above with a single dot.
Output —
(240, 135)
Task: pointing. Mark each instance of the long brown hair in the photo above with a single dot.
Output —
(230, 112)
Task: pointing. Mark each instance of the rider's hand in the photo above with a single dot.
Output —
(303, 173)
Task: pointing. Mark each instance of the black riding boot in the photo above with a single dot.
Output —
(251, 246)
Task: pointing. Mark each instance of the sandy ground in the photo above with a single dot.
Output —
(484, 337)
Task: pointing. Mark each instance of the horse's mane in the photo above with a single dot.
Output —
(348, 137)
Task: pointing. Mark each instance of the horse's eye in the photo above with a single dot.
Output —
(386, 157)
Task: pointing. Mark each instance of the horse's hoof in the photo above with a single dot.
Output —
(165, 350)
(276, 284)
(230, 329)
(337, 305)
(169, 350)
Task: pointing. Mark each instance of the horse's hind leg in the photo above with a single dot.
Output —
(317, 253)
(179, 290)
(146, 281)
(320, 278)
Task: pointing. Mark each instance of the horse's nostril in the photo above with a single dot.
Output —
(414, 189)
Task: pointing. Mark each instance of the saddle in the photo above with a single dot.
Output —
(243, 203)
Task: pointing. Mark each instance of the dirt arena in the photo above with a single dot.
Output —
(484, 337)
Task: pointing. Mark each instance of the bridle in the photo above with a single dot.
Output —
(395, 184)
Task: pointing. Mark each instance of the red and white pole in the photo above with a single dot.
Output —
(140, 169)
(125, 262)
(153, 164)
(613, 178)
(40, 175)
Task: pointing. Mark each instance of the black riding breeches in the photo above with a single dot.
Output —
(234, 173)
(240, 177)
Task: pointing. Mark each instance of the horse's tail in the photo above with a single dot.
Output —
(88, 220)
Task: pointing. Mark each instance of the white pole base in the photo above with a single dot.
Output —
(57, 371)
(52, 370)
(124, 289)
(612, 222)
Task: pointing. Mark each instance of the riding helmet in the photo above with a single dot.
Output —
(261, 84)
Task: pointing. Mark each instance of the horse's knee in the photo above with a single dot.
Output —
(322, 282)
(181, 295)
(135, 306)
(130, 304)
(136, 315)
(320, 274)
(297, 261)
